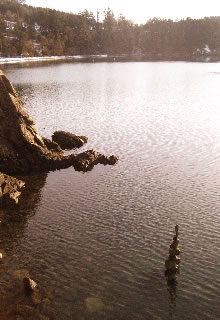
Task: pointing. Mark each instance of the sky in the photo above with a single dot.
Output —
(139, 11)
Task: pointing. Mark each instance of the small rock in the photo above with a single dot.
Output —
(29, 285)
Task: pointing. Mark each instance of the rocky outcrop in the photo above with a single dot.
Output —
(85, 161)
(23, 150)
(68, 140)
(10, 189)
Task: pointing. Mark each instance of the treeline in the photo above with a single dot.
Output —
(29, 31)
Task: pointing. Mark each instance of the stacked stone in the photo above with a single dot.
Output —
(173, 261)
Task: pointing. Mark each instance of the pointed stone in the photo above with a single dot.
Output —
(29, 285)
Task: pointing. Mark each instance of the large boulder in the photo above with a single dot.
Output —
(68, 140)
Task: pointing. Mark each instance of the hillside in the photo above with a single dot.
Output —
(29, 31)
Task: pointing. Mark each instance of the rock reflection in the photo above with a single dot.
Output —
(172, 265)
(14, 303)
(172, 290)
(14, 219)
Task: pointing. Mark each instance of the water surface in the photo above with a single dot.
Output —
(106, 233)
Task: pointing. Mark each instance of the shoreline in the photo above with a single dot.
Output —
(110, 58)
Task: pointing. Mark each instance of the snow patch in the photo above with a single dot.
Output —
(30, 59)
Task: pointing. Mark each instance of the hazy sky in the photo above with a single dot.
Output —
(138, 10)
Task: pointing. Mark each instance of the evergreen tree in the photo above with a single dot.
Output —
(25, 30)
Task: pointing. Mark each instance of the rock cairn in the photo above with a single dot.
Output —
(173, 262)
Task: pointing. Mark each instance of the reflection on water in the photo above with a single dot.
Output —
(100, 239)
(14, 219)
(13, 228)
(172, 289)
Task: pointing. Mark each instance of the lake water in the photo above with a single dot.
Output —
(106, 233)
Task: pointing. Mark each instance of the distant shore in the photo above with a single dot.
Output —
(110, 58)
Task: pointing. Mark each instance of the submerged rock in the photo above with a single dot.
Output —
(10, 189)
(68, 140)
(94, 304)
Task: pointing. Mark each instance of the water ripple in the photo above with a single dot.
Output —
(106, 234)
